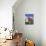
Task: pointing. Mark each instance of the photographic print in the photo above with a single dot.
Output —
(29, 19)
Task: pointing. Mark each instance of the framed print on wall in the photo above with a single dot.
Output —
(29, 19)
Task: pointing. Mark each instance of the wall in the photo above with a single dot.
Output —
(32, 32)
(6, 13)
(43, 22)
